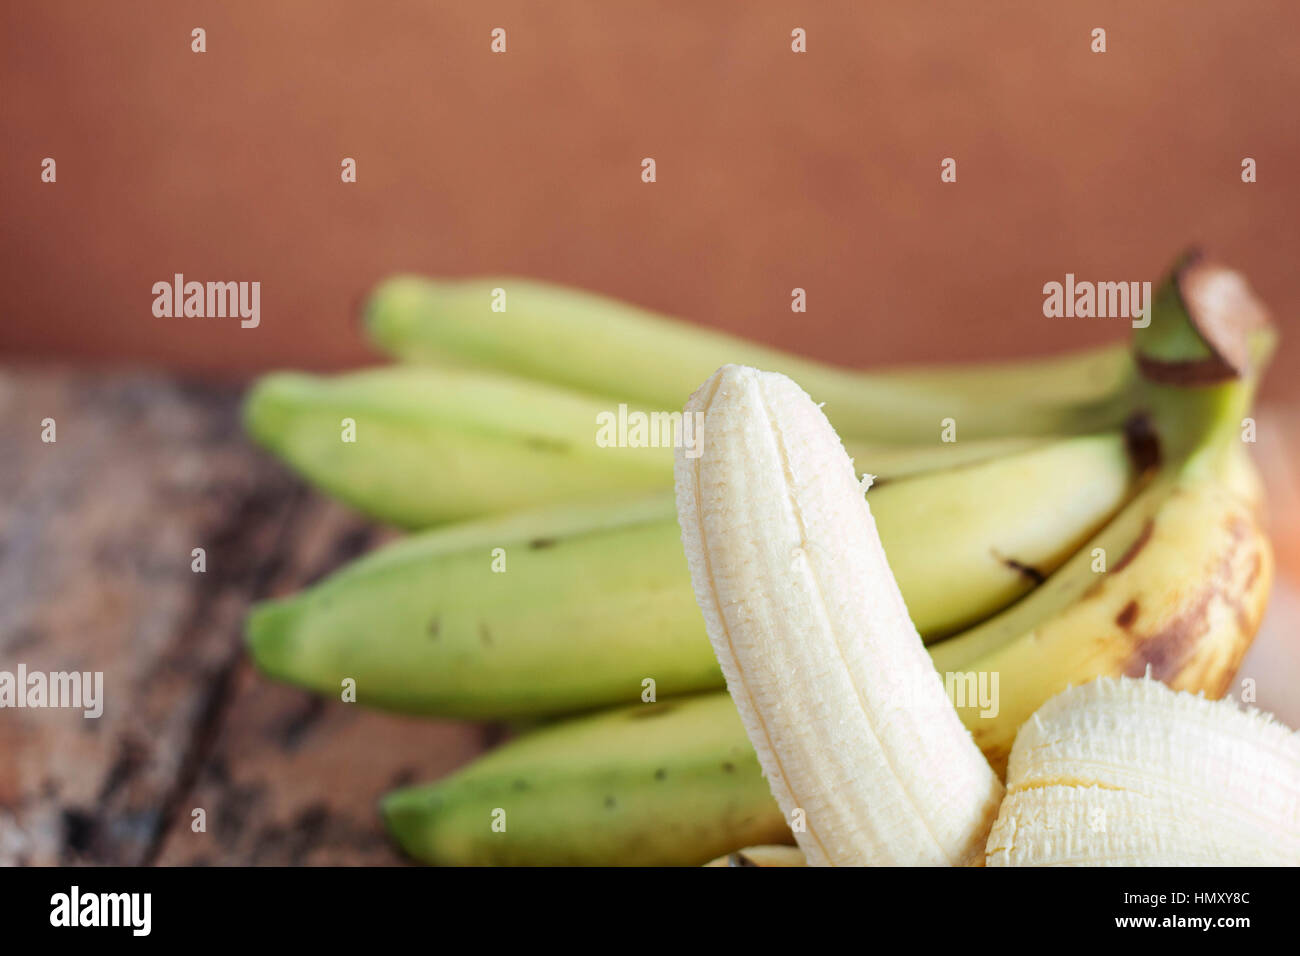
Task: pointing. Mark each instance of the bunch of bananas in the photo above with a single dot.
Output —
(861, 746)
(1047, 522)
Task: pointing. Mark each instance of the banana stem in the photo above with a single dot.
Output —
(1201, 358)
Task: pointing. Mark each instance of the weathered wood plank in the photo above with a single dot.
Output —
(96, 532)
(291, 778)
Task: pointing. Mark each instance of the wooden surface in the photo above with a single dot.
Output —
(96, 532)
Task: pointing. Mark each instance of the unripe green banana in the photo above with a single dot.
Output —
(585, 341)
(583, 604)
(651, 784)
(1183, 599)
(433, 445)
(417, 447)
(964, 541)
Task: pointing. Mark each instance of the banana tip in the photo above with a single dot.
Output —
(267, 637)
(266, 410)
(404, 813)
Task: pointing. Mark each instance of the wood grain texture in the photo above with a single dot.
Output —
(96, 532)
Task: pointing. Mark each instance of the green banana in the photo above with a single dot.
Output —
(436, 445)
(651, 784)
(586, 602)
(1181, 602)
(966, 545)
(589, 601)
(568, 337)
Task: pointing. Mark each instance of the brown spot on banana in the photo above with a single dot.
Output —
(1165, 650)
(1126, 617)
(1255, 567)
(1200, 648)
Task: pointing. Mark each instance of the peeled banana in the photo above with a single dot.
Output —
(1126, 772)
(858, 741)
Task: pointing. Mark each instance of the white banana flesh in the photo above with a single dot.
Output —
(1127, 772)
(863, 751)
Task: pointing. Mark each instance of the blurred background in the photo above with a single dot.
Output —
(774, 170)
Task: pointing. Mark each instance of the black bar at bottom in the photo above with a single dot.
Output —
(620, 907)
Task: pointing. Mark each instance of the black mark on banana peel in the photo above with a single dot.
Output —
(537, 544)
(661, 773)
(728, 767)
(1028, 570)
(1142, 443)
(484, 635)
(435, 626)
(657, 710)
(739, 859)
(1136, 547)
(610, 803)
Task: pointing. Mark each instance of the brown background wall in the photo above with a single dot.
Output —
(775, 170)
